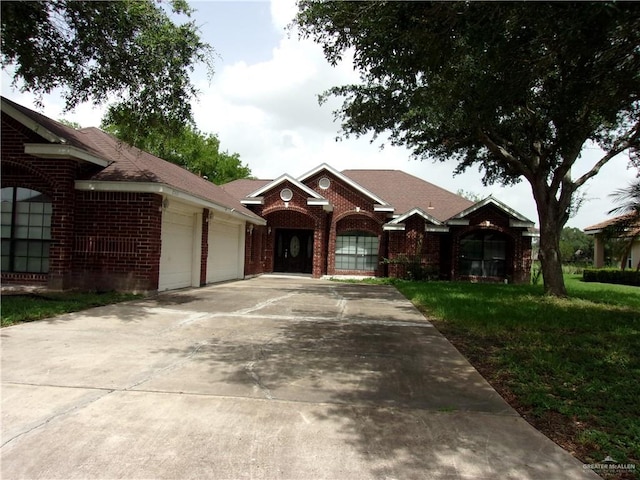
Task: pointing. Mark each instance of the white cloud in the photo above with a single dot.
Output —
(282, 12)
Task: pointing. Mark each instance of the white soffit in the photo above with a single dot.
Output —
(47, 150)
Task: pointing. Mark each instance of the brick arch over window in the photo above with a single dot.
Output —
(18, 174)
(368, 219)
(292, 217)
(360, 227)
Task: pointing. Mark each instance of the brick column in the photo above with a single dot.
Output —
(62, 226)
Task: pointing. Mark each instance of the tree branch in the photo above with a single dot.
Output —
(620, 146)
(503, 153)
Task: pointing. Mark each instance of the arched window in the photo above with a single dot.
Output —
(483, 254)
(356, 251)
(26, 230)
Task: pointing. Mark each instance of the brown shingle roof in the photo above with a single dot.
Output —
(131, 164)
(405, 192)
(612, 222)
(239, 189)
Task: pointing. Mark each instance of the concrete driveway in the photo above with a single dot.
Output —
(269, 378)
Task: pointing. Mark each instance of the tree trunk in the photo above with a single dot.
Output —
(551, 261)
(552, 218)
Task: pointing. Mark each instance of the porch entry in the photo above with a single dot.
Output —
(293, 251)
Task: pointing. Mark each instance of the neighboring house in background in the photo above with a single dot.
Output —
(378, 222)
(603, 230)
(80, 209)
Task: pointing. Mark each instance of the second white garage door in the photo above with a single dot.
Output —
(225, 260)
(176, 257)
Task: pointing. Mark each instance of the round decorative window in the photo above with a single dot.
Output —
(324, 183)
(286, 194)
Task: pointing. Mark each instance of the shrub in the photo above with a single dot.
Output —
(610, 275)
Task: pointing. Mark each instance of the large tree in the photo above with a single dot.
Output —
(517, 88)
(130, 50)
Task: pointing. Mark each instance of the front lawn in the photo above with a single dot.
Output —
(36, 306)
(571, 366)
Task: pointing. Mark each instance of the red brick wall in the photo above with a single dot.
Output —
(117, 240)
(256, 252)
(352, 211)
(414, 246)
(100, 240)
(55, 178)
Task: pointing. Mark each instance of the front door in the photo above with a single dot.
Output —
(293, 251)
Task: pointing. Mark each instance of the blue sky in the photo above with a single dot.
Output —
(262, 102)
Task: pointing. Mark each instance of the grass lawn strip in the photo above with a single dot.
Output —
(571, 367)
(36, 306)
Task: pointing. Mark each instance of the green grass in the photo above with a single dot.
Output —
(26, 308)
(570, 366)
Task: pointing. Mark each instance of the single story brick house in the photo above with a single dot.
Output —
(80, 209)
(379, 223)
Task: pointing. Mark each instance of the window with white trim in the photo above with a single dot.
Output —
(26, 230)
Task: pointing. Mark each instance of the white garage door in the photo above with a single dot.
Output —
(226, 252)
(176, 255)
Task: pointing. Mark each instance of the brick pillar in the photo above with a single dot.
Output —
(320, 248)
(62, 227)
(204, 247)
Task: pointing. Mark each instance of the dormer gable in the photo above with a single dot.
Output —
(432, 224)
(515, 219)
(313, 197)
(379, 204)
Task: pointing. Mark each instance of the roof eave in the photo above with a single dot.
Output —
(30, 123)
(47, 150)
(164, 189)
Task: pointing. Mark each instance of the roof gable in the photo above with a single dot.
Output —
(519, 220)
(431, 223)
(60, 141)
(349, 181)
(281, 179)
(624, 221)
(419, 212)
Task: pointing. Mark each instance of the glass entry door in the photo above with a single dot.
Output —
(293, 251)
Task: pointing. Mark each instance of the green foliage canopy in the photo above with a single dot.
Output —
(190, 148)
(575, 245)
(129, 49)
